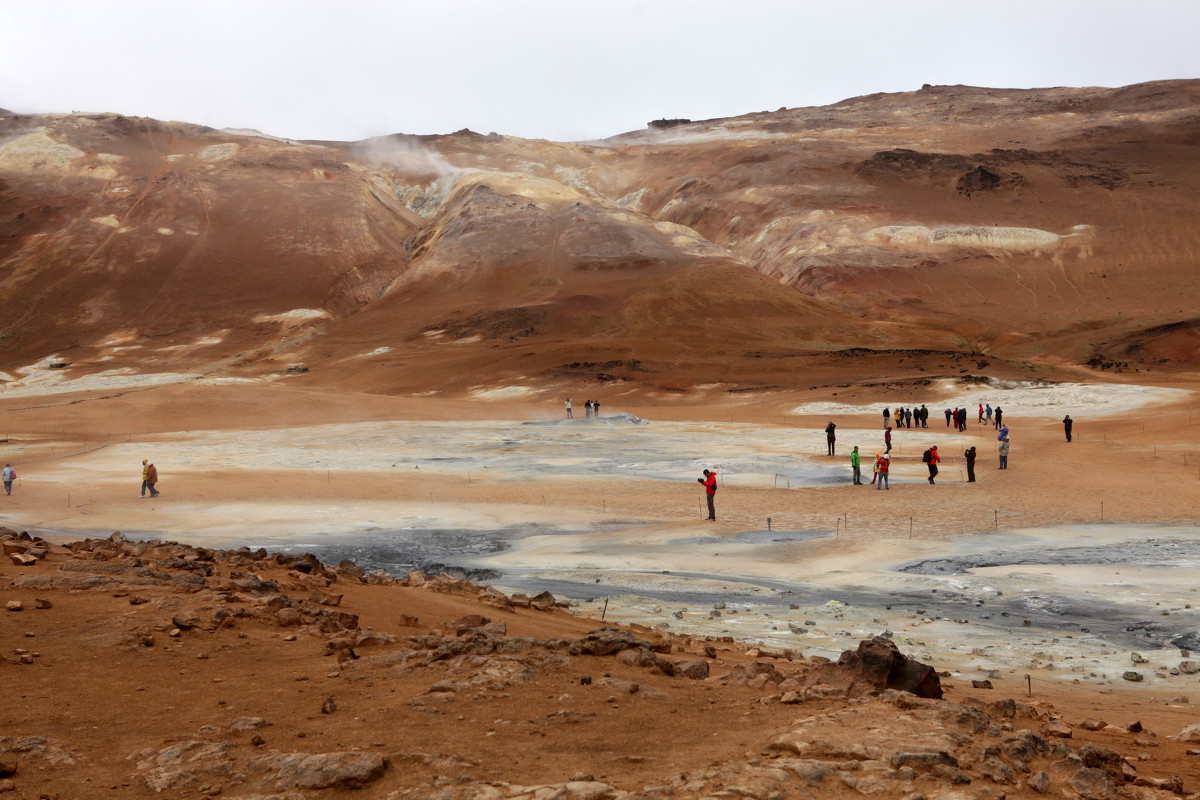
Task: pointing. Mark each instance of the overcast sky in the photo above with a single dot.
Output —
(556, 69)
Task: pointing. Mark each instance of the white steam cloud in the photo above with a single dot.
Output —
(403, 155)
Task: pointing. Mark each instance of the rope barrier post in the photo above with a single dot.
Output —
(604, 610)
(1029, 685)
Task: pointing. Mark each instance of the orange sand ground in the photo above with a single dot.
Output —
(1049, 482)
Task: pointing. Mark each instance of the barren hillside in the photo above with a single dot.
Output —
(1029, 229)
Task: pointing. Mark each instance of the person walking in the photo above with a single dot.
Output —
(908, 417)
(1003, 451)
(568, 404)
(962, 419)
(969, 455)
(854, 466)
(981, 412)
(887, 439)
(999, 417)
(948, 414)
(1068, 423)
(881, 467)
(8, 474)
(151, 479)
(924, 416)
(887, 416)
(875, 469)
(146, 473)
(931, 458)
(709, 482)
(830, 435)
(987, 414)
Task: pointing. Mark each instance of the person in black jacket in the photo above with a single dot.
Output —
(970, 456)
(1068, 423)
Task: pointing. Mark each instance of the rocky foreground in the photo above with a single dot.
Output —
(156, 669)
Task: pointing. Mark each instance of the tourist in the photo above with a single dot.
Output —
(887, 438)
(987, 413)
(1068, 423)
(709, 482)
(569, 408)
(596, 409)
(882, 466)
(830, 435)
(146, 472)
(970, 456)
(587, 409)
(887, 415)
(931, 458)
(854, 466)
(962, 419)
(875, 469)
(151, 479)
(981, 412)
(924, 416)
(948, 414)
(8, 474)
(908, 417)
(1003, 450)
(999, 417)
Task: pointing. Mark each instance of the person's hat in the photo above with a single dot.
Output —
(889, 458)
(145, 461)
(877, 455)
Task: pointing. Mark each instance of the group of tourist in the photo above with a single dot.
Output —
(591, 409)
(904, 417)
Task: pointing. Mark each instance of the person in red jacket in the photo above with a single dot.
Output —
(882, 467)
(151, 479)
(709, 482)
(934, 458)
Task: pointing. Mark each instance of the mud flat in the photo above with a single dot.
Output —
(1069, 603)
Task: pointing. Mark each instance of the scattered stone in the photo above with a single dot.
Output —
(41, 603)
(1057, 729)
(1093, 784)
(981, 684)
(23, 559)
(1189, 667)
(1191, 733)
(319, 770)
(1039, 782)
(1133, 677)
(329, 706)
(696, 670)
(1138, 658)
(325, 598)
(288, 617)
(1093, 724)
(14, 605)
(879, 663)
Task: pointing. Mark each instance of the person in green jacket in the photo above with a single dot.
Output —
(854, 465)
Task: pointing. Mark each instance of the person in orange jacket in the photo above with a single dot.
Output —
(709, 482)
(151, 479)
(881, 470)
(934, 458)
